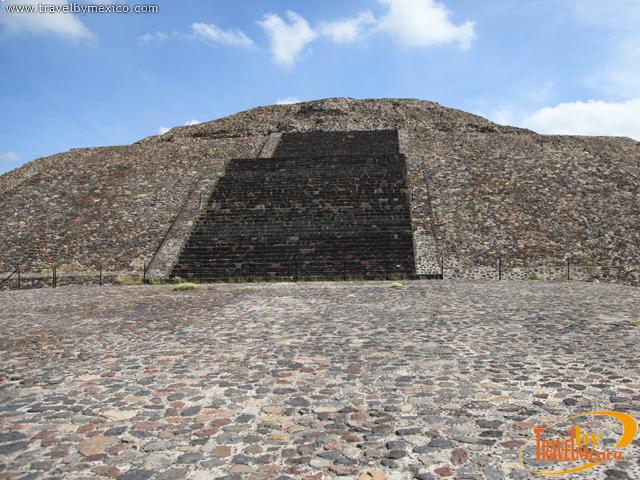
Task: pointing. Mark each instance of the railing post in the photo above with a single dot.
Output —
(568, 269)
(499, 268)
(54, 277)
(442, 266)
(144, 274)
(18, 277)
(100, 274)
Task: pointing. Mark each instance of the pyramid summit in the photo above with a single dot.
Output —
(468, 193)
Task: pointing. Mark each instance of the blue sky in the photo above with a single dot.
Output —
(72, 80)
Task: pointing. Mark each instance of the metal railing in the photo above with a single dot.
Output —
(21, 277)
(570, 268)
(6, 280)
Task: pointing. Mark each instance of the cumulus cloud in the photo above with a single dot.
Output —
(349, 29)
(9, 157)
(288, 39)
(192, 122)
(588, 118)
(287, 101)
(64, 25)
(417, 23)
(210, 33)
(423, 23)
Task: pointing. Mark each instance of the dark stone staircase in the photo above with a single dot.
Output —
(332, 144)
(328, 205)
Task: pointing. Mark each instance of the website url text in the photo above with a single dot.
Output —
(78, 9)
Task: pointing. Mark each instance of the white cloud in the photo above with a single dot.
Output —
(288, 40)
(156, 37)
(518, 100)
(287, 101)
(62, 24)
(505, 115)
(211, 33)
(9, 157)
(422, 23)
(204, 32)
(349, 29)
(163, 130)
(416, 23)
(588, 118)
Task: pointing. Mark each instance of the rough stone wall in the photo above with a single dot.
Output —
(479, 190)
(109, 206)
(530, 199)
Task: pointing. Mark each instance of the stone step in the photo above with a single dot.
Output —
(379, 142)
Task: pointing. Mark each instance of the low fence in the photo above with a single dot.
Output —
(566, 271)
(499, 269)
(20, 278)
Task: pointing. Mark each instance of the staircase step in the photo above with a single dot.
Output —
(327, 205)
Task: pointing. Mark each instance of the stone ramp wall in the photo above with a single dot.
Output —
(270, 145)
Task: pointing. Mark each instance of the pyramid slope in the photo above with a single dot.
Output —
(479, 190)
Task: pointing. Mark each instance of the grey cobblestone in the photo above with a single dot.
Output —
(307, 381)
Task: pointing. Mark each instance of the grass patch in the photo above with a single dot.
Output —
(184, 287)
(396, 285)
(535, 276)
(636, 323)
(395, 277)
(126, 281)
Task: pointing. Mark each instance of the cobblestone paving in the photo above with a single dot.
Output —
(308, 381)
